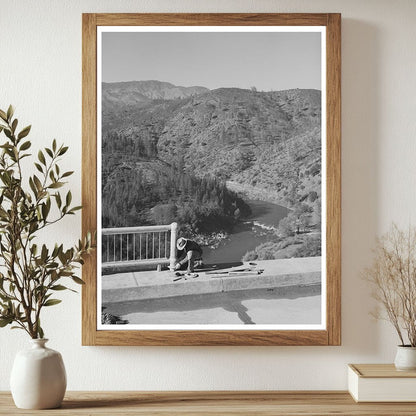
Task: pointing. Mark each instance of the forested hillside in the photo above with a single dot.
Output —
(193, 155)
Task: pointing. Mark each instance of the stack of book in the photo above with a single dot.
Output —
(381, 383)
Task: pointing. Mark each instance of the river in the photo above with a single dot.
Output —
(248, 235)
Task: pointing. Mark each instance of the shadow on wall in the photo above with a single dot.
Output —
(360, 180)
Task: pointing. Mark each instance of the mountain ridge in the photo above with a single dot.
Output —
(267, 144)
(133, 92)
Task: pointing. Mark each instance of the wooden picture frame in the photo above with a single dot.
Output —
(331, 335)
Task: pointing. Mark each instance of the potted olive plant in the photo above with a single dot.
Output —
(393, 277)
(31, 273)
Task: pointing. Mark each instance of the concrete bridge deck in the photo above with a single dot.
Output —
(140, 285)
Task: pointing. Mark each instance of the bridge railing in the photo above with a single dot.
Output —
(127, 247)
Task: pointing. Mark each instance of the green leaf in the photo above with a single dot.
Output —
(58, 199)
(68, 198)
(33, 187)
(37, 183)
(5, 321)
(63, 150)
(51, 302)
(25, 145)
(40, 332)
(54, 145)
(56, 185)
(34, 226)
(55, 251)
(8, 133)
(44, 253)
(41, 157)
(39, 167)
(49, 151)
(24, 132)
(3, 115)
(14, 125)
(77, 208)
(10, 112)
(59, 287)
(62, 257)
(76, 279)
(67, 174)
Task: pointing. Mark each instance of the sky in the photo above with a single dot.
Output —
(267, 60)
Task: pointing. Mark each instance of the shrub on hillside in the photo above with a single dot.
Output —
(311, 247)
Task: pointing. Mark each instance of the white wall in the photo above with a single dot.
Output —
(40, 73)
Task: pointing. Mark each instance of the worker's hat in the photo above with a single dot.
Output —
(181, 243)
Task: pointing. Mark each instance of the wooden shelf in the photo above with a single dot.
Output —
(212, 403)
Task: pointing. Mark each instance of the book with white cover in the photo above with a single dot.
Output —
(381, 383)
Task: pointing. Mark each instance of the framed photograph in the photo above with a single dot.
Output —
(211, 172)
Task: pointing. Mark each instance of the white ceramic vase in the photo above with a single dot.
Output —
(38, 378)
(405, 358)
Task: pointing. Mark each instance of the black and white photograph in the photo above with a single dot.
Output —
(211, 178)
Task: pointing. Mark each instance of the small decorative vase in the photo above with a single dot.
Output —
(38, 378)
(405, 358)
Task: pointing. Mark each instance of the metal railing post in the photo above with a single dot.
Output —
(173, 232)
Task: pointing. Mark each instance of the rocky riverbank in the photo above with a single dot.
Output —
(212, 240)
(301, 245)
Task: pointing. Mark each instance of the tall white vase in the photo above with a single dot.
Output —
(38, 378)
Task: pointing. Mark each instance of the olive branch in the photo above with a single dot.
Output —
(31, 274)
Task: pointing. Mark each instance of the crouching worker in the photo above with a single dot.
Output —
(188, 252)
